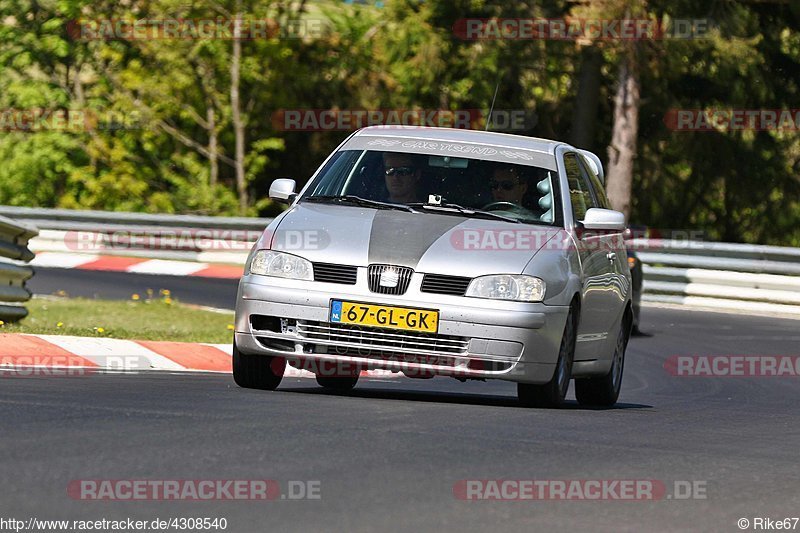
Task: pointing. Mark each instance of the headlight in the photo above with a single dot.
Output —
(281, 265)
(507, 287)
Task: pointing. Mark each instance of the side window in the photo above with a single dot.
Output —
(580, 194)
(597, 186)
(330, 180)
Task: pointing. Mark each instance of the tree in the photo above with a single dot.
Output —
(625, 131)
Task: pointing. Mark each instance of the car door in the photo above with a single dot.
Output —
(596, 267)
(613, 244)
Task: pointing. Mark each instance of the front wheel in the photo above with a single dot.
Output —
(604, 391)
(257, 371)
(552, 393)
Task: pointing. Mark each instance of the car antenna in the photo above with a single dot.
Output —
(491, 109)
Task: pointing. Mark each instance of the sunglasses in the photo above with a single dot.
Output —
(505, 185)
(400, 171)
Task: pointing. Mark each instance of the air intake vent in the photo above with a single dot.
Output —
(328, 273)
(389, 279)
(441, 284)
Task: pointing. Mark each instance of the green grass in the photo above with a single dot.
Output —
(148, 318)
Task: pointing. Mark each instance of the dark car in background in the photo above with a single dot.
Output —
(637, 274)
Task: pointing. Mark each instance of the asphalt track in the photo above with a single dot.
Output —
(213, 292)
(388, 455)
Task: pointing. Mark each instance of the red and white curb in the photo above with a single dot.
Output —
(20, 351)
(137, 265)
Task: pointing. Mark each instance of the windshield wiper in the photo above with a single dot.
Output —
(464, 211)
(357, 200)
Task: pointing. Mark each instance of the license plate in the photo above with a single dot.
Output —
(384, 316)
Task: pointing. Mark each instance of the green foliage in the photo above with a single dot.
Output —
(172, 99)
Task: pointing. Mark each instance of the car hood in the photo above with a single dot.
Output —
(425, 242)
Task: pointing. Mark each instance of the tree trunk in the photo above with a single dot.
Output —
(622, 150)
(236, 112)
(585, 116)
(213, 159)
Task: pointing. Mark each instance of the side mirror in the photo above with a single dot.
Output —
(282, 190)
(603, 220)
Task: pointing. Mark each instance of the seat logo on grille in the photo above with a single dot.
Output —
(390, 277)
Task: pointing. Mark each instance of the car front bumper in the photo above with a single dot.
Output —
(476, 339)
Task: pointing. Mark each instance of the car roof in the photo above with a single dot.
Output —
(462, 135)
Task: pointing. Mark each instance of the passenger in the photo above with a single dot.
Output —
(508, 186)
(509, 190)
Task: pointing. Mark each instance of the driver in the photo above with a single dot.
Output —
(402, 176)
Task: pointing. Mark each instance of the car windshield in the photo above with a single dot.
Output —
(438, 184)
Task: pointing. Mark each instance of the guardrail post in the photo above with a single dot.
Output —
(14, 237)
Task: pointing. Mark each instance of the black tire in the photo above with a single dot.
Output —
(635, 331)
(604, 391)
(341, 384)
(257, 371)
(552, 393)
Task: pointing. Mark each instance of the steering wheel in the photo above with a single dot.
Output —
(497, 206)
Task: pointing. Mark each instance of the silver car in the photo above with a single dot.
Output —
(442, 252)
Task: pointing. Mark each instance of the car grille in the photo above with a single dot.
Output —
(376, 272)
(394, 356)
(380, 339)
(441, 284)
(328, 273)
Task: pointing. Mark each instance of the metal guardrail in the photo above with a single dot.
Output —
(205, 239)
(68, 219)
(746, 277)
(14, 237)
